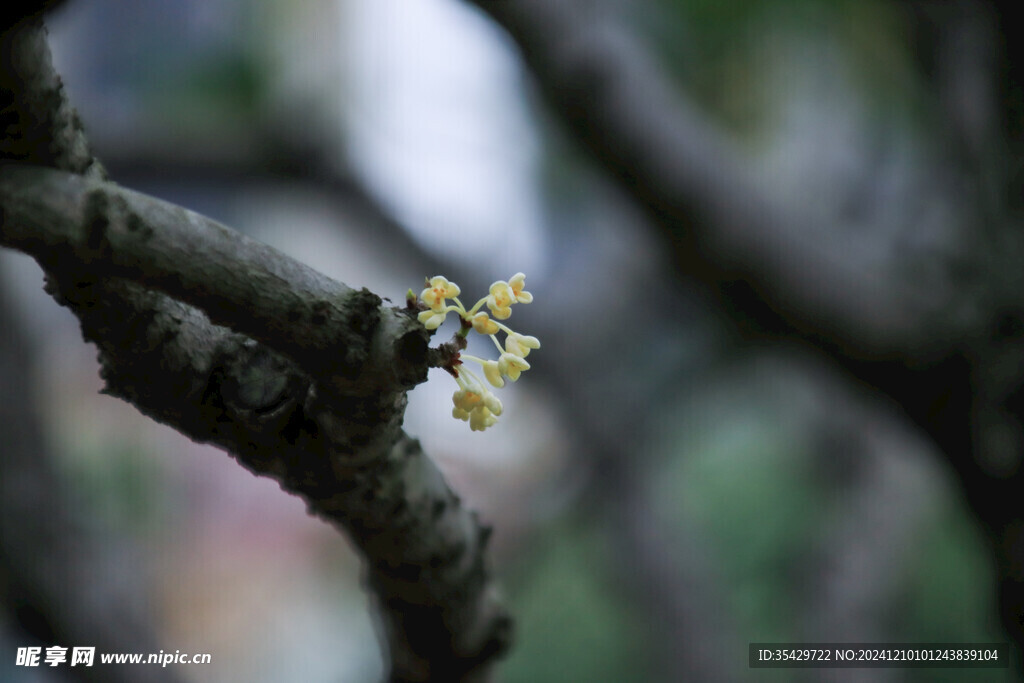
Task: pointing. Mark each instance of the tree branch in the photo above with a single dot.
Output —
(338, 445)
(332, 331)
(309, 389)
(424, 550)
(40, 126)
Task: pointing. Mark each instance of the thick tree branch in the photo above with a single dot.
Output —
(330, 330)
(424, 550)
(40, 126)
(309, 388)
(337, 445)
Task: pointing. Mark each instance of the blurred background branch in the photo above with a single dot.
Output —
(922, 340)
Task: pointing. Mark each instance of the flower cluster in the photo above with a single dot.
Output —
(474, 401)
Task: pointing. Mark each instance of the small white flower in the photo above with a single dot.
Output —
(500, 300)
(493, 374)
(512, 365)
(480, 409)
(520, 344)
(467, 399)
(480, 419)
(492, 403)
(483, 324)
(430, 319)
(517, 283)
(439, 290)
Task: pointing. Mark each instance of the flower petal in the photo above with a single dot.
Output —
(484, 325)
(493, 374)
(431, 319)
(520, 344)
(517, 283)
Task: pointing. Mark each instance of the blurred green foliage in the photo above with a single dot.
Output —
(235, 83)
(723, 52)
(951, 596)
(755, 507)
(739, 477)
(571, 625)
(123, 486)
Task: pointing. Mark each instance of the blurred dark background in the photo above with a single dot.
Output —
(665, 489)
